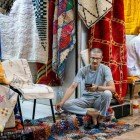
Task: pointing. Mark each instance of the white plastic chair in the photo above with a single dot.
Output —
(19, 74)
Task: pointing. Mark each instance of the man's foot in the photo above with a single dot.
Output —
(100, 119)
(94, 114)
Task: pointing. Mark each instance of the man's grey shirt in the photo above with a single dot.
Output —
(87, 76)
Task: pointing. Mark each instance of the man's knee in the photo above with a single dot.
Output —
(67, 104)
(107, 94)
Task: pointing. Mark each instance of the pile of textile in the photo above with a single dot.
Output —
(67, 126)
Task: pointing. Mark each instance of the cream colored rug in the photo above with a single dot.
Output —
(91, 11)
(19, 34)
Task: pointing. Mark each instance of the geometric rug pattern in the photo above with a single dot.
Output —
(67, 127)
(91, 11)
(108, 34)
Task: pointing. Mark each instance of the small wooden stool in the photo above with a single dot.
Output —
(133, 86)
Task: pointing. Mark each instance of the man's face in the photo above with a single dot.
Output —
(95, 59)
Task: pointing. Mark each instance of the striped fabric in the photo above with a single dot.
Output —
(41, 10)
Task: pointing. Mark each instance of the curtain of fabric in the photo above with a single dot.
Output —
(109, 35)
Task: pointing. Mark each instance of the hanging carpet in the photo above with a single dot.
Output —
(45, 74)
(91, 11)
(109, 35)
(63, 34)
(41, 10)
(20, 37)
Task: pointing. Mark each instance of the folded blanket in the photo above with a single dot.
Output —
(8, 99)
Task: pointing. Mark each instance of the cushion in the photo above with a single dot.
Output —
(37, 91)
(132, 79)
(3, 79)
(18, 72)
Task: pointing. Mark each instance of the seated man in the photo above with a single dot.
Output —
(97, 93)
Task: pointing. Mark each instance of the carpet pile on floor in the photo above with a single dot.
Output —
(67, 127)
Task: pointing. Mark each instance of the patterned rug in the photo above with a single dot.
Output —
(63, 35)
(19, 34)
(45, 71)
(91, 11)
(68, 127)
(41, 14)
(109, 35)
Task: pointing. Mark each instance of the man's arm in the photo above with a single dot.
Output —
(109, 86)
(67, 95)
(69, 92)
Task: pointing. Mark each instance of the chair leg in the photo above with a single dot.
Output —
(53, 115)
(34, 106)
(131, 90)
(20, 112)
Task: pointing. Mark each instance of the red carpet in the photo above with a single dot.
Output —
(109, 35)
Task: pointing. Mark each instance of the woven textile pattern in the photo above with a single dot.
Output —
(6, 5)
(132, 16)
(69, 128)
(63, 34)
(45, 74)
(41, 10)
(20, 38)
(109, 35)
(91, 11)
(8, 100)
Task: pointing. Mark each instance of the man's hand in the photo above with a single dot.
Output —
(58, 106)
(92, 89)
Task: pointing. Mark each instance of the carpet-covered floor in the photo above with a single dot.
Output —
(132, 135)
(44, 110)
(73, 127)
